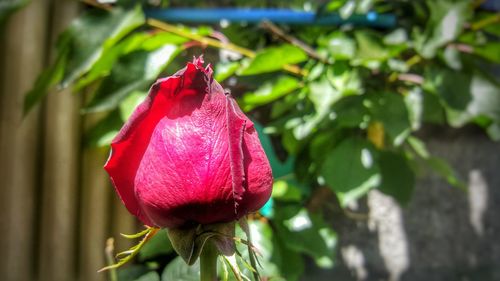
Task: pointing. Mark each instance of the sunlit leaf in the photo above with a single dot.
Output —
(306, 233)
(323, 95)
(370, 48)
(339, 45)
(128, 105)
(225, 70)
(344, 79)
(347, 9)
(270, 91)
(447, 18)
(286, 191)
(273, 58)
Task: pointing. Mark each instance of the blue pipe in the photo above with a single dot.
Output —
(197, 16)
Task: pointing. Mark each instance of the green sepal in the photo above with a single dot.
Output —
(189, 242)
(128, 255)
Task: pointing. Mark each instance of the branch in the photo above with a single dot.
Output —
(202, 39)
(280, 33)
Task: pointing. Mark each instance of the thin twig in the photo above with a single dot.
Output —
(412, 78)
(486, 21)
(355, 215)
(464, 48)
(280, 33)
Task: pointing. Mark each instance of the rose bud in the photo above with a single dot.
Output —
(188, 155)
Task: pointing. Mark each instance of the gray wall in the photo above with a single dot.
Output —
(443, 234)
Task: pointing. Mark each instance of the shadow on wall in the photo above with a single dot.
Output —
(443, 234)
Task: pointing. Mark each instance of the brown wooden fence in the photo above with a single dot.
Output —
(56, 204)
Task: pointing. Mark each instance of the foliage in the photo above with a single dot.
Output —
(344, 123)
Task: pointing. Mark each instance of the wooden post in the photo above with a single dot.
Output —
(22, 59)
(95, 214)
(60, 170)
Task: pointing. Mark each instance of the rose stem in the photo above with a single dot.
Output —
(208, 262)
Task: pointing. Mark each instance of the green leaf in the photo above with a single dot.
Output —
(452, 58)
(347, 9)
(129, 104)
(344, 79)
(339, 45)
(158, 245)
(132, 273)
(351, 170)
(94, 32)
(466, 96)
(433, 110)
(150, 276)
(350, 112)
(225, 70)
(493, 131)
(396, 37)
(178, 270)
(390, 109)
(289, 262)
(398, 179)
(419, 147)
(133, 72)
(323, 95)
(274, 58)
(444, 170)
(489, 51)
(269, 92)
(286, 191)
(102, 67)
(138, 41)
(103, 132)
(47, 79)
(307, 233)
(447, 18)
(279, 168)
(414, 103)
(261, 235)
(370, 47)
(452, 86)
(485, 98)
(81, 45)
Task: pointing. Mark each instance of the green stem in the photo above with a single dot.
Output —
(208, 262)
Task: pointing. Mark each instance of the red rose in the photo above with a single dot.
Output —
(189, 155)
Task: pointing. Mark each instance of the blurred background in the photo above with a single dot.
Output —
(381, 120)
